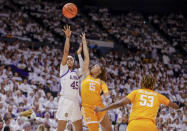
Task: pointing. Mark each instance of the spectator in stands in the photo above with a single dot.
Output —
(41, 128)
(10, 111)
(27, 126)
(37, 110)
(2, 109)
(7, 121)
(1, 124)
(123, 125)
(25, 87)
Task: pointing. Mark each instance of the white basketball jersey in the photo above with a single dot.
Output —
(69, 83)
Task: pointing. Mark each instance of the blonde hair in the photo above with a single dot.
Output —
(148, 82)
(41, 128)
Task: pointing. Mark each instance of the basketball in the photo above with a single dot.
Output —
(69, 10)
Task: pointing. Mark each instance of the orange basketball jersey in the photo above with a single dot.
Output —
(145, 104)
(90, 91)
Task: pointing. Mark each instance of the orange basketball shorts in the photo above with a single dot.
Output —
(90, 116)
(141, 125)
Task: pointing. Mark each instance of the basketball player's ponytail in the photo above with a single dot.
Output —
(103, 76)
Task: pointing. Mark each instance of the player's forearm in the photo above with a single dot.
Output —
(85, 50)
(86, 56)
(67, 45)
(117, 104)
(80, 60)
(66, 50)
(173, 105)
(113, 106)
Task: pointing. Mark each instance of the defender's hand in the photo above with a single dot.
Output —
(83, 36)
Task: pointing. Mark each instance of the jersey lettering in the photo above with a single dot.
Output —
(75, 85)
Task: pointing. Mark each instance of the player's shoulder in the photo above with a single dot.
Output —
(88, 76)
(134, 91)
(74, 71)
(142, 90)
(64, 70)
(148, 92)
(137, 90)
(85, 78)
(102, 82)
(63, 67)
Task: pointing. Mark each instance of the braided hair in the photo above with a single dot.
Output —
(148, 82)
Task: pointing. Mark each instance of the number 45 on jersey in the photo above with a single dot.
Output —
(75, 85)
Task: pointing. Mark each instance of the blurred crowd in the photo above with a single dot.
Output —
(19, 24)
(50, 15)
(173, 24)
(54, 19)
(38, 90)
(132, 30)
(30, 76)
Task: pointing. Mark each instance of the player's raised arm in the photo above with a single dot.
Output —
(126, 100)
(105, 90)
(79, 51)
(85, 67)
(67, 32)
(117, 104)
(164, 100)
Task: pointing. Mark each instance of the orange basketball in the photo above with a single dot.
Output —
(69, 10)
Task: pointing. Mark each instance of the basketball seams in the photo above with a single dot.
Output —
(69, 13)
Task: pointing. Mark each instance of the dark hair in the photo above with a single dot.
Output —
(6, 118)
(148, 82)
(103, 76)
(7, 128)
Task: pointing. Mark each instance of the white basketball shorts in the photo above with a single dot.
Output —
(68, 110)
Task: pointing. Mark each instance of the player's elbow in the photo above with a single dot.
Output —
(85, 69)
(86, 63)
(125, 101)
(66, 51)
(173, 105)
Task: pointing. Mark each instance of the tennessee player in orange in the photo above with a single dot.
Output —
(91, 88)
(145, 102)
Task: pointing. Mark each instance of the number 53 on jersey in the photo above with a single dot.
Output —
(146, 100)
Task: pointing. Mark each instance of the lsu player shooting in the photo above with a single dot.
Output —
(68, 105)
(91, 88)
(145, 104)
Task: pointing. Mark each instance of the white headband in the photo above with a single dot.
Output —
(69, 56)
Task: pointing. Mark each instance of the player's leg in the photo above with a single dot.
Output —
(78, 125)
(76, 116)
(90, 119)
(61, 125)
(106, 123)
(63, 113)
